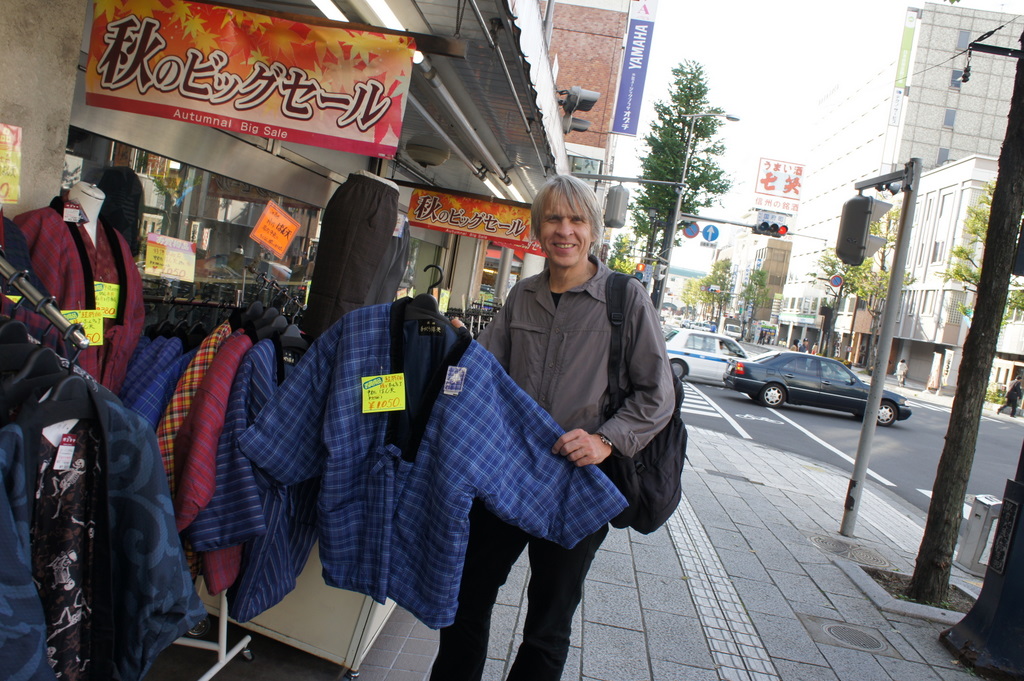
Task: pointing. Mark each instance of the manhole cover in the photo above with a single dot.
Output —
(866, 556)
(831, 544)
(835, 633)
(854, 552)
(857, 638)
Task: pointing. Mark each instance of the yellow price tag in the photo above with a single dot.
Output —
(383, 393)
(106, 298)
(91, 321)
(13, 299)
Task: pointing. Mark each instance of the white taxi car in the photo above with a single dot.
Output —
(701, 354)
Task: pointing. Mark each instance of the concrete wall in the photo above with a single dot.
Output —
(39, 84)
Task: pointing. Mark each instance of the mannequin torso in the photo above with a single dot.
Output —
(90, 198)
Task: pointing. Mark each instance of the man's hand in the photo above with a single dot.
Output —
(582, 448)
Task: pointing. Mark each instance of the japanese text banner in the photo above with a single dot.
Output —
(505, 224)
(251, 73)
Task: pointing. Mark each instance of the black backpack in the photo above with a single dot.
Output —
(651, 481)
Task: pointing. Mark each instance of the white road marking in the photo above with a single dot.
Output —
(731, 420)
(967, 507)
(840, 454)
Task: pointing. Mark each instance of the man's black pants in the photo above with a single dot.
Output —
(555, 590)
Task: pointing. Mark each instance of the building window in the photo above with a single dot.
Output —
(949, 119)
(963, 39)
(954, 80)
(943, 156)
(937, 251)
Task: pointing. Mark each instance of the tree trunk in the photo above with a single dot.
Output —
(930, 581)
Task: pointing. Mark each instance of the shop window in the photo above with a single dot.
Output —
(201, 223)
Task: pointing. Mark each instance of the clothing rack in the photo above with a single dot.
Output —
(73, 334)
(221, 645)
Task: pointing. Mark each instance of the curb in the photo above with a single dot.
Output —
(883, 601)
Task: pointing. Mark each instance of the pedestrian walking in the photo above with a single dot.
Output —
(1013, 393)
(902, 369)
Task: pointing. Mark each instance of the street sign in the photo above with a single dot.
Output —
(691, 230)
(836, 280)
(710, 233)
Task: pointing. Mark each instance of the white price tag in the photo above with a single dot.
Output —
(65, 453)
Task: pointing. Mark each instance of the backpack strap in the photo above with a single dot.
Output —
(615, 297)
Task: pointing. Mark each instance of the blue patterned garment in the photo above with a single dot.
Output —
(154, 394)
(153, 598)
(22, 623)
(396, 487)
(142, 362)
(271, 562)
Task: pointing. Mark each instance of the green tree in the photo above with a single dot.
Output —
(666, 151)
(715, 289)
(930, 580)
(755, 292)
(870, 279)
(622, 257)
(828, 266)
(964, 263)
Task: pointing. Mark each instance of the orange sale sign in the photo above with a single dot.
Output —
(275, 230)
(252, 73)
(506, 224)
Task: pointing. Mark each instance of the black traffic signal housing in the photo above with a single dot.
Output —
(771, 229)
(855, 227)
(576, 99)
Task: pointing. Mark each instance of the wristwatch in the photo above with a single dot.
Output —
(605, 440)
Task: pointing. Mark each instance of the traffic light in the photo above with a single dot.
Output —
(770, 229)
(855, 227)
(615, 207)
(576, 99)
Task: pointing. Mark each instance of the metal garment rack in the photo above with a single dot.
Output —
(221, 645)
(74, 334)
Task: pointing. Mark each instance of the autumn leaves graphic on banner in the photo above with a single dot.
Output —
(250, 73)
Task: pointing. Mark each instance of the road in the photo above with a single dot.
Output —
(904, 457)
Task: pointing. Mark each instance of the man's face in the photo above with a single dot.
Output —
(565, 237)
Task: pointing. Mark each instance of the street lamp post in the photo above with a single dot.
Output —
(658, 294)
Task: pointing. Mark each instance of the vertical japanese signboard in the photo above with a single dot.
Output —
(251, 73)
(778, 186)
(635, 59)
(903, 67)
(506, 224)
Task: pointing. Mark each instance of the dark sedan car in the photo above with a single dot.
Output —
(799, 378)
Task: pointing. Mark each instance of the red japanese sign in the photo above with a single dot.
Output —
(250, 73)
(778, 186)
(506, 224)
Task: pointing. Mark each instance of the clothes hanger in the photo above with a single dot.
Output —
(275, 327)
(42, 369)
(12, 331)
(424, 305)
(291, 338)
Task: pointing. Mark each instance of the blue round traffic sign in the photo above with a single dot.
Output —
(710, 233)
(836, 280)
(691, 230)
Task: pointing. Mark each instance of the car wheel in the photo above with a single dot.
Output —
(680, 369)
(887, 413)
(772, 395)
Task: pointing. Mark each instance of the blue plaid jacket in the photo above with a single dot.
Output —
(396, 487)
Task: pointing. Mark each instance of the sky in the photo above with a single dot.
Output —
(767, 63)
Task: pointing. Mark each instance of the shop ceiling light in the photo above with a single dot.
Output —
(384, 14)
(330, 10)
